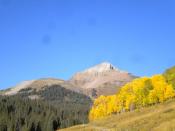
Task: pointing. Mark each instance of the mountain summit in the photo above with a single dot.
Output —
(102, 68)
(102, 79)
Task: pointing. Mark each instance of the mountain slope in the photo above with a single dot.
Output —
(39, 85)
(102, 79)
(53, 104)
(160, 117)
(18, 113)
(50, 90)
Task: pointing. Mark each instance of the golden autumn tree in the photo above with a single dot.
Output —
(112, 104)
(134, 94)
(138, 93)
(161, 89)
(99, 108)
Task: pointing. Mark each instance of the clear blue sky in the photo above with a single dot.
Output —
(56, 38)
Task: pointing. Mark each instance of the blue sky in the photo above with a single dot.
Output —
(56, 38)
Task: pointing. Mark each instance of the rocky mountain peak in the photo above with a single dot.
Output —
(100, 68)
(102, 79)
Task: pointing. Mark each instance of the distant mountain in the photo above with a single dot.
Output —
(102, 79)
(40, 85)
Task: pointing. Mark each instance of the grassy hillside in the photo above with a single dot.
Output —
(160, 117)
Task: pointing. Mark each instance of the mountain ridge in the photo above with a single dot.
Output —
(101, 79)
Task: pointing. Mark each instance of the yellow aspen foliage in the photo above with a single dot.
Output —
(162, 90)
(135, 93)
(99, 108)
(138, 93)
(112, 104)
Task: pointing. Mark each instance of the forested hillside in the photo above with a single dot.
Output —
(57, 108)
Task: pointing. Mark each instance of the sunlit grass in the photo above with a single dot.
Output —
(160, 117)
